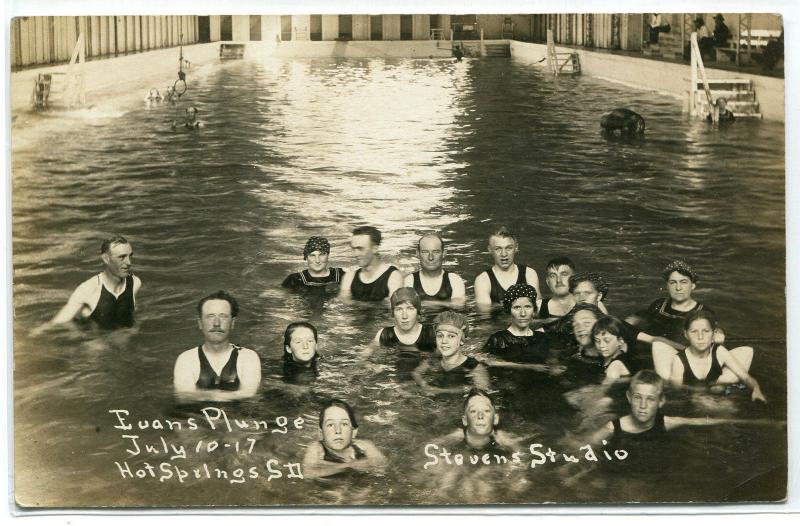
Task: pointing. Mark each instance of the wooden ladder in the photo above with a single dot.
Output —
(72, 90)
(561, 62)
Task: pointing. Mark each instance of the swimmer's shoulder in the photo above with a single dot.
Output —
(246, 354)
(88, 288)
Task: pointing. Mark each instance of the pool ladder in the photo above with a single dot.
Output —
(561, 62)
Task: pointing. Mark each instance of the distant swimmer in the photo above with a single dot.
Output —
(318, 274)
(338, 449)
(491, 284)
(431, 281)
(153, 97)
(625, 121)
(217, 370)
(720, 113)
(705, 363)
(458, 53)
(107, 299)
(373, 280)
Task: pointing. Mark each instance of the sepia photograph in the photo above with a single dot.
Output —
(369, 258)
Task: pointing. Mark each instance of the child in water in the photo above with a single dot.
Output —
(300, 349)
(707, 363)
(645, 421)
(456, 369)
(720, 112)
(607, 334)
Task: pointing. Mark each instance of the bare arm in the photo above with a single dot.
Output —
(727, 360)
(616, 371)
(408, 281)
(347, 281)
(676, 373)
(426, 388)
(459, 288)
(76, 302)
(483, 289)
(248, 367)
(672, 422)
(646, 338)
(395, 281)
(533, 280)
(602, 434)
(480, 378)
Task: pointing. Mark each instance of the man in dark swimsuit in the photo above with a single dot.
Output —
(374, 280)
(107, 299)
(337, 448)
(430, 276)
(558, 271)
(491, 284)
(217, 370)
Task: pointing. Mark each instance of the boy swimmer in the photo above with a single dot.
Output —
(644, 422)
(337, 448)
(608, 335)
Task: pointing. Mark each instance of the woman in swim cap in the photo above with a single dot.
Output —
(318, 274)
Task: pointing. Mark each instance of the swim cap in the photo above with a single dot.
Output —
(681, 267)
(455, 319)
(517, 291)
(316, 243)
(405, 294)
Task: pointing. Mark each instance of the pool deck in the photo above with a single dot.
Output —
(134, 74)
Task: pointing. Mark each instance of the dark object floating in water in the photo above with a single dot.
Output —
(626, 121)
(228, 51)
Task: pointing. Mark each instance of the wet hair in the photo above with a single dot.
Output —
(116, 239)
(432, 234)
(220, 295)
(287, 339)
(456, 319)
(608, 324)
(341, 404)
(477, 391)
(503, 232)
(517, 291)
(680, 267)
(406, 295)
(594, 309)
(647, 377)
(373, 233)
(560, 261)
(700, 315)
(594, 278)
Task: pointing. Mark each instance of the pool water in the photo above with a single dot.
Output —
(316, 147)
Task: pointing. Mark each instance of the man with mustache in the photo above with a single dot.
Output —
(217, 370)
(107, 299)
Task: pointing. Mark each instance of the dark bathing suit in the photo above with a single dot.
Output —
(425, 342)
(114, 312)
(333, 457)
(227, 380)
(305, 279)
(627, 360)
(497, 292)
(456, 376)
(445, 290)
(663, 320)
(658, 430)
(375, 291)
(544, 312)
(520, 349)
(713, 374)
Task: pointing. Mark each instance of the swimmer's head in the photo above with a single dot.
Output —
(646, 395)
(557, 274)
(480, 414)
(583, 318)
(607, 334)
(405, 295)
(588, 287)
(316, 244)
(300, 343)
(365, 243)
(154, 92)
(698, 328)
(337, 423)
(191, 112)
(117, 256)
(680, 267)
(451, 332)
(680, 280)
(517, 291)
(503, 247)
(220, 295)
(430, 250)
(722, 103)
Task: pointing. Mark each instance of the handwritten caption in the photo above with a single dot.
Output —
(440, 455)
(223, 437)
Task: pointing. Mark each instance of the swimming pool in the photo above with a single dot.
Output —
(316, 147)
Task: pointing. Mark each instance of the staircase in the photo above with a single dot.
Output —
(670, 45)
(738, 92)
(497, 50)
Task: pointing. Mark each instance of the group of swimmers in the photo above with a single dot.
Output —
(675, 340)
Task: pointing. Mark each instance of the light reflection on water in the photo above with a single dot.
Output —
(300, 148)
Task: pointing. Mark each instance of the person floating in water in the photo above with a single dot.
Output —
(705, 363)
(374, 280)
(720, 113)
(458, 53)
(454, 369)
(645, 421)
(491, 284)
(337, 448)
(431, 281)
(318, 274)
(108, 299)
(217, 370)
(623, 120)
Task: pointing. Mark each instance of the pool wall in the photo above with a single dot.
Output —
(656, 75)
(363, 49)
